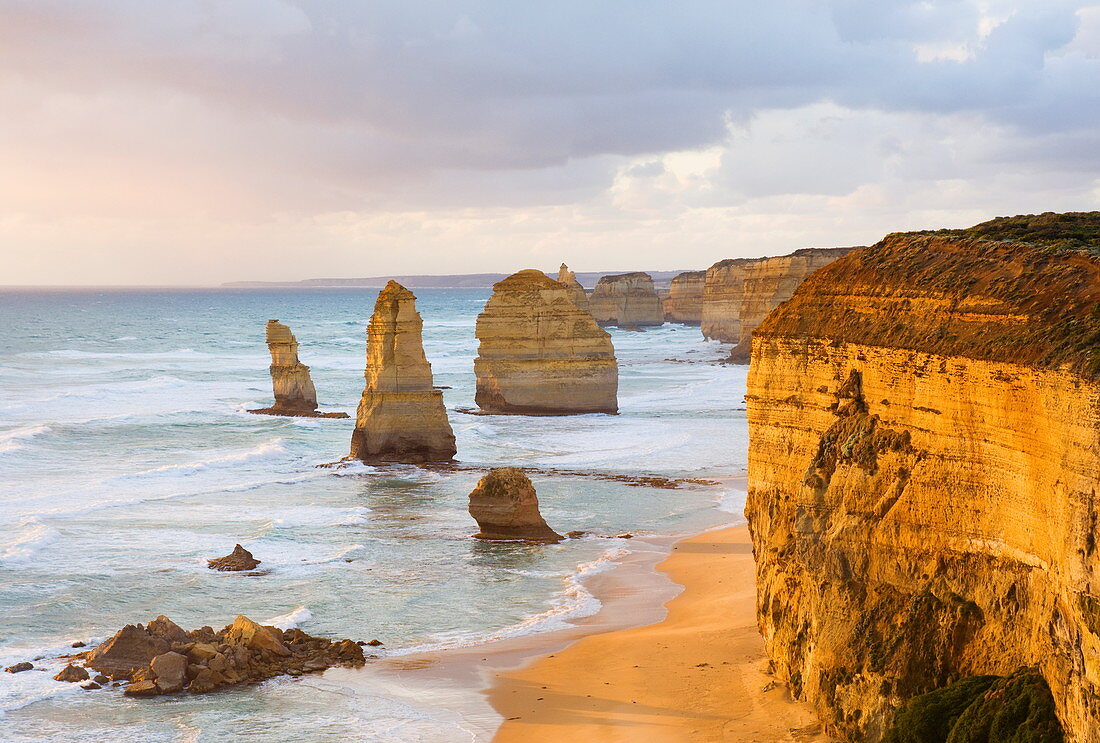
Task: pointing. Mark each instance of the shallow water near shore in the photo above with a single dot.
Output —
(127, 458)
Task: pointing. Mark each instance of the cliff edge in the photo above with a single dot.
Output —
(924, 464)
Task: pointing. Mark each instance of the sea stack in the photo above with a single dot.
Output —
(541, 354)
(568, 279)
(401, 417)
(723, 291)
(505, 506)
(295, 394)
(924, 472)
(684, 303)
(626, 300)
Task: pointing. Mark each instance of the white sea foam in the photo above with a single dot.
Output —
(31, 536)
(267, 450)
(291, 620)
(13, 440)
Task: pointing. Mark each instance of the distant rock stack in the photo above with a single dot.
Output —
(685, 298)
(626, 300)
(505, 506)
(569, 279)
(540, 354)
(722, 294)
(401, 417)
(295, 394)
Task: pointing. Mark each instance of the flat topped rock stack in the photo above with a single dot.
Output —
(295, 394)
(626, 300)
(568, 279)
(684, 303)
(541, 354)
(505, 506)
(401, 417)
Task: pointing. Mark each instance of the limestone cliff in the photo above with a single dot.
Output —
(626, 300)
(768, 283)
(295, 394)
(924, 464)
(540, 354)
(568, 279)
(738, 293)
(401, 417)
(684, 303)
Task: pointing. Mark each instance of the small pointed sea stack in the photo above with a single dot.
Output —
(569, 280)
(295, 394)
(505, 506)
(237, 560)
(401, 417)
(626, 300)
(541, 354)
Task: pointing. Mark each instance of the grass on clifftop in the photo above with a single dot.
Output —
(981, 709)
(1068, 231)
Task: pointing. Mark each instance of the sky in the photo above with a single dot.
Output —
(196, 142)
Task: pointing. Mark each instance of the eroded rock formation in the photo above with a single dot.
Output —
(569, 280)
(540, 354)
(238, 560)
(685, 298)
(295, 394)
(740, 292)
(401, 417)
(163, 658)
(626, 300)
(505, 506)
(924, 465)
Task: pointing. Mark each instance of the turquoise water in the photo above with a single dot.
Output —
(126, 459)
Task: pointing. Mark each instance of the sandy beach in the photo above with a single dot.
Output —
(698, 675)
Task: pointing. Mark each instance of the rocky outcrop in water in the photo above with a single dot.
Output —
(569, 280)
(540, 354)
(924, 466)
(238, 560)
(295, 394)
(401, 417)
(626, 300)
(505, 506)
(739, 293)
(684, 303)
(163, 658)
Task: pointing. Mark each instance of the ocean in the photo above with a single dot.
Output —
(127, 458)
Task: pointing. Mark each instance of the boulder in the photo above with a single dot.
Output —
(142, 689)
(170, 670)
(71, 674)
(164, 627)
(20, 667)
(401, 416)
(291, 383)
(244, 631)
(130, 650)
(627, 300)
(237, 560)
(505, 506)
(540, 354)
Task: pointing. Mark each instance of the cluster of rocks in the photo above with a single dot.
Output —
(163, 658)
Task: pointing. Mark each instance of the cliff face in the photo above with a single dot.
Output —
(684, 303)
(739, 293)
(569, 280)
(627, 300)
(540, 354)
(401, 417)
(768, 283)
(294, 392)
(924, 465)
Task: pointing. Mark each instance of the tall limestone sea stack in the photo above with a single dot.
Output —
(626, 300)
(685, 298)
(401, 417)
(569, 280)
(541, 354)
(295, 394)
(924, 471)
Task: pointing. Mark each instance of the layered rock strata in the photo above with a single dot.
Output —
(295, 394)
(569, 280)
(626, 300)
(401, 417)
(924, 464)
(738, 293)
(505, 506)
(540, 354)
(684, 303)
(163, 658)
